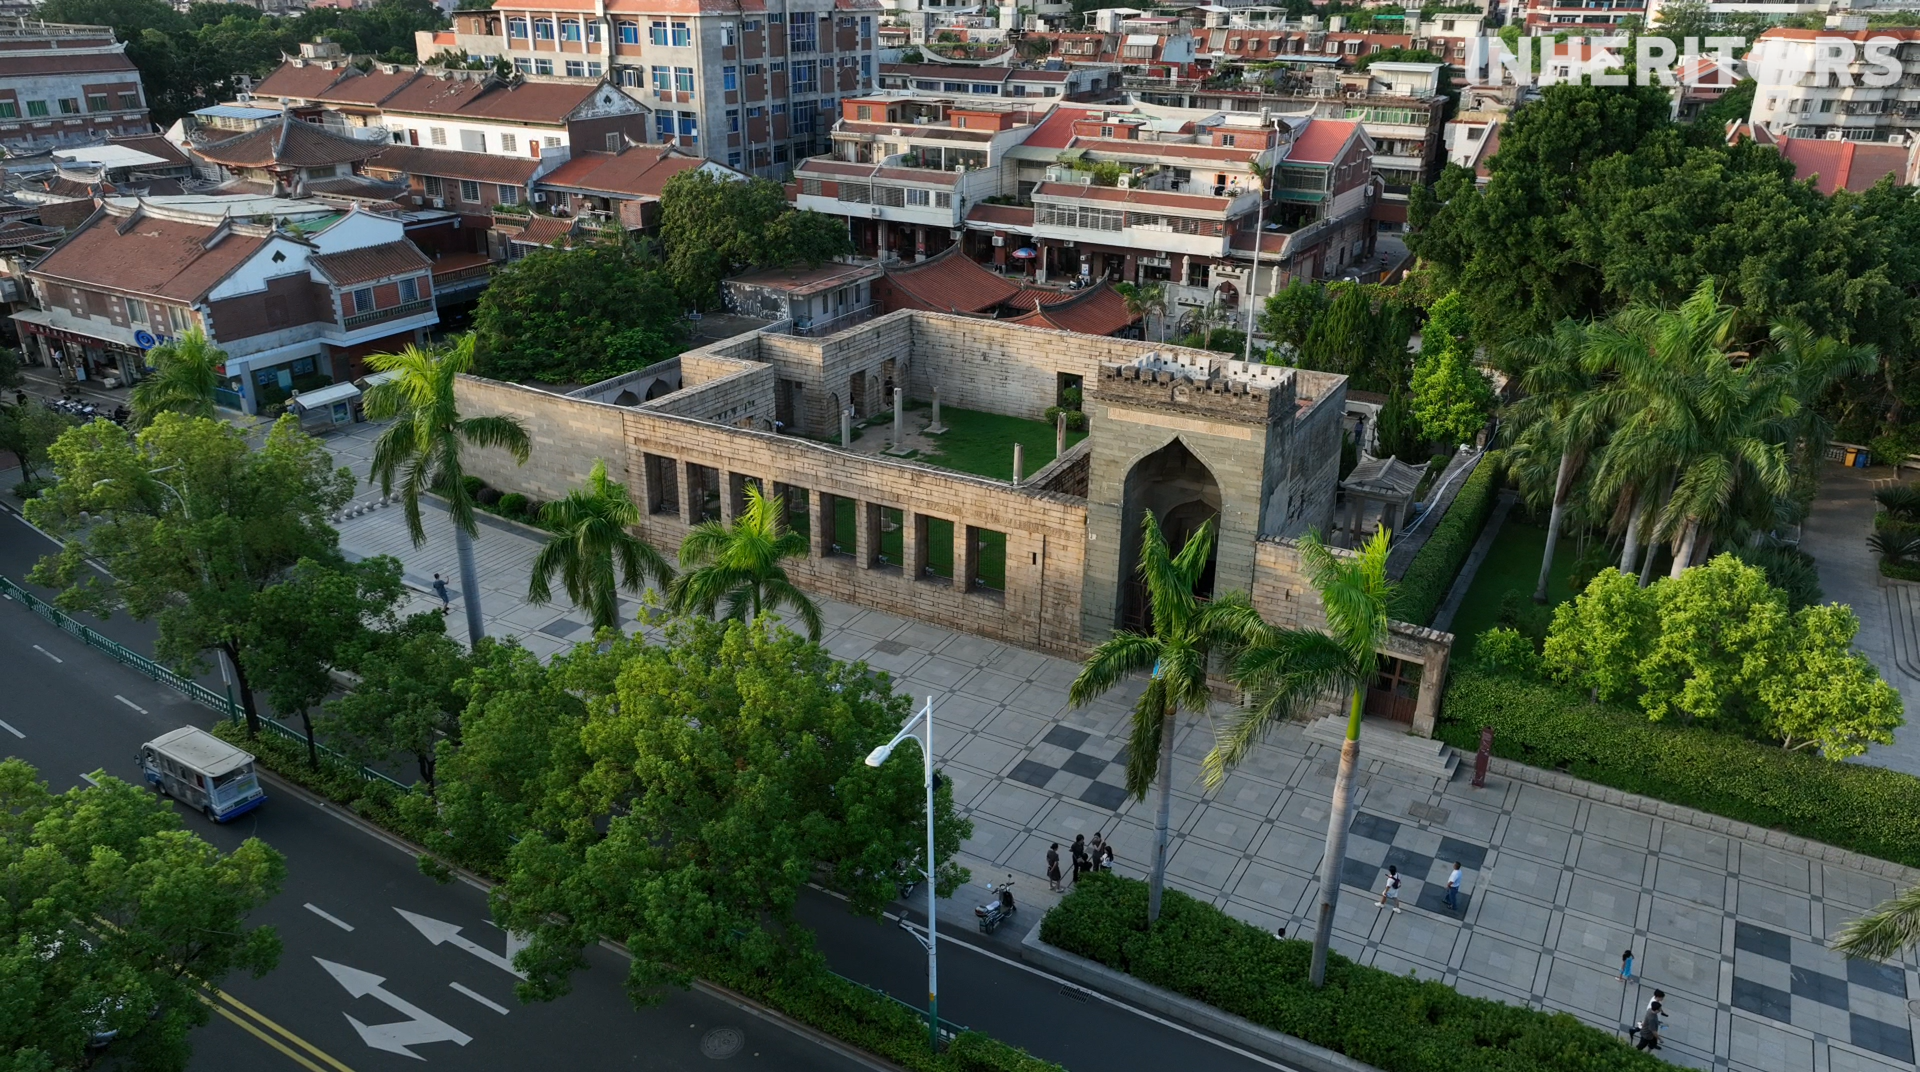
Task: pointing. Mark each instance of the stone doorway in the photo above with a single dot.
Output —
(1180, 491)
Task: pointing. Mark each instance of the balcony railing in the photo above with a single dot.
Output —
(813, 329)
(375, 315)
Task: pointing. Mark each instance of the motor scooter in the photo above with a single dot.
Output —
(997, 908)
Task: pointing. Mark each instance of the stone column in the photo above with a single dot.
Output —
(913, 545)
(820, 532)
(963, 557)
(1019, 461)
(899, 420)
(936, 427)
(1433, 680)
(846, 427)
(866, 524)
(687, 508)
(1060, 433)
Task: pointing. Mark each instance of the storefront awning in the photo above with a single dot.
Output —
(65, 327)
(321, 397)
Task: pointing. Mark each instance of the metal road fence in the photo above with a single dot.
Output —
(192, 690)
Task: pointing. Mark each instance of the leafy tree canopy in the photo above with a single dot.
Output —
(577, 315)
(676, 796)
(715, 227)
(111, 920)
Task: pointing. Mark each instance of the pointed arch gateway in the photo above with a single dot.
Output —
(1182, 493)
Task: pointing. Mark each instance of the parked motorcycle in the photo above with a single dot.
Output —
(997, 909)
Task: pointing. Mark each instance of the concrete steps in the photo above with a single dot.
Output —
(1388, 742)
(1903, 621)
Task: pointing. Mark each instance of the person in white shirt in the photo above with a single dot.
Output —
(1453, 887)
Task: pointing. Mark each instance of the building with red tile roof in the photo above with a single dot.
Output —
(1098, 310)
(625, 185)
(1831, 165)
(66, 85)
(948, 282)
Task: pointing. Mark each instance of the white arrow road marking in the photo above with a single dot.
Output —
(419, 1028)
(439, 933)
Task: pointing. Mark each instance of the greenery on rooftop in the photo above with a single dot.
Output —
(982, 443)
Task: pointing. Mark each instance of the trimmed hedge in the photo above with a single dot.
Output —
(1432, 572)
(1389, 1021)
(1870, 810)
(826, 1002)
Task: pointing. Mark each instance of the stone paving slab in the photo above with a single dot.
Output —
(1561, 876)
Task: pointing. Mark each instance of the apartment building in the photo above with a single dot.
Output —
(296, 292)
(465, 111)
(63, 85)
(750, 83)
(1018, 188)
(1791, 100)
(1547, 17)
(1079, 83)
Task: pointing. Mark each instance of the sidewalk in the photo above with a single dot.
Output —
(1557, 884)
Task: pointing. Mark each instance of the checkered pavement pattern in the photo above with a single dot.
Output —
(1059, 759)
(1803, 983)
(1424, 858)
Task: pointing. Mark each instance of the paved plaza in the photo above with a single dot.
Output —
(1557, 884)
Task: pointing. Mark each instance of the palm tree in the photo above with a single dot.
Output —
(1810, 363)
(423, 446)
(739, 565)
(1557, 418)
(1143, 300)
(1286, 671)
(592, 534)
(185, 374)
(1893, 925)
(1185, 630)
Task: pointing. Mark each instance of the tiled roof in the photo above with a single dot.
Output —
(1057, 130)
(369, 263)
(453, 164)
(1100, 311)
(1844, 165)
(289, 143)
(802, 280)
(1037, 297)
(1006, 215)
(17, 233)
(947, 282)
(153, 145)
(534, 102)
(432, 95)
(1322, 141)
(638, 172)
(75, 63)
(365, 187)
(67, 214)
(543, 231)
(157, 256)
(298, 81)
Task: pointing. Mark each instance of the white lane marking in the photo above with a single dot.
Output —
(48, 654)
(330, 918)
(88, 778)
(129, 703)
(481, 998)
(438, 932)
(10, 729)
(419, 1028)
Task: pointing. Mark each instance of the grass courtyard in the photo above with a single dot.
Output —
(1512, 565)
(982, 443)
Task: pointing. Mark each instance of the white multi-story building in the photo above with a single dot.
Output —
(1795, 99)
(66, 85)
(753, 84)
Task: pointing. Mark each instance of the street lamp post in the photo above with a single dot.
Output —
(931, 941)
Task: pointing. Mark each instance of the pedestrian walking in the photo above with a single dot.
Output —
(1053, 867)
(1649, 1028)
(440, 589)
(1078, 851)
(1392, 890)
(1626, 966)
(1453, 887)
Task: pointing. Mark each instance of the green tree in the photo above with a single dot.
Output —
(407, 701)
(27, 431)
(715, 227)
(1398, 432)
(190, 524)
(1555, 420)
(113, 920)
(577, 315)
(1143, 301)
(424, 443)
(1599, 638)
(594, 550)
(185, 373)
(321, 618)
(739, 565)
(715, 774)
(1828, 696)
(1285, 672)
(1893, 925)
(1452, 397)
(1290, 314)
(1184, 631)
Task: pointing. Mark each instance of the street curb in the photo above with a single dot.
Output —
(1297, 1052)
(746, 1004)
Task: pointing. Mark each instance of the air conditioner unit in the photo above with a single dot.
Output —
(539, 198)
(439, 202)
(1834, 135)
(1896, 139)
(873, 211)
(419, 200)
(999, 240)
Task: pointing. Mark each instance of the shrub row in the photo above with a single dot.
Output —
(1388, 1021)
(1433, 569)
(826, 1002)
(1870, 810)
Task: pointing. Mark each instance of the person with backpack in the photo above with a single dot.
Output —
(1392, 891)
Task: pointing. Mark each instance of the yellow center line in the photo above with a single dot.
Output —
(283, 1032)
(261, 1035)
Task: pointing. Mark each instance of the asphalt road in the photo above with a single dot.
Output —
(363, 987)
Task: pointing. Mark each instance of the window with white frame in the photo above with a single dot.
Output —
(517, 28)
(434, 185)
(576, 69)
(523, 65)
(629, 33)
(409, 289)
(657, 32)
(473, 141)
(683, 79)
(919, 198)
(682, 35)
(469, 191)
(570, 31)
(543, 29)
(803, 77)
(509, 195)
(363, 300)
(509, 143)
(542, 66)
(437, 135)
